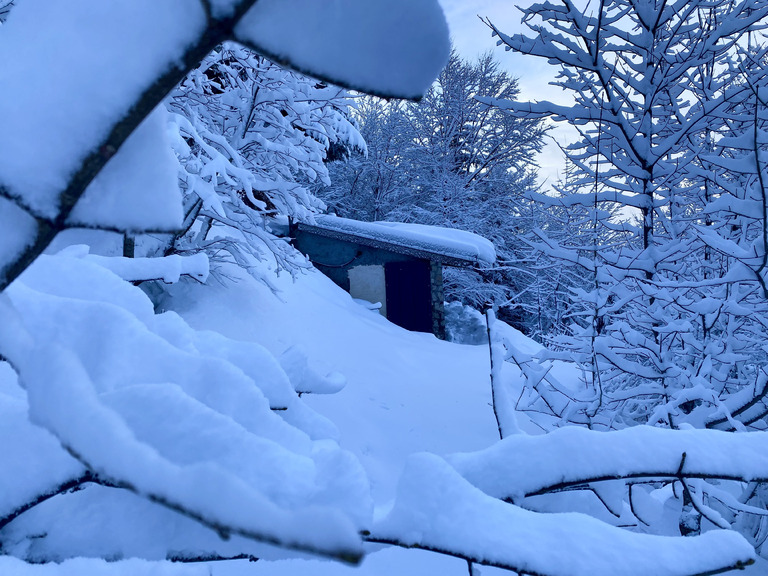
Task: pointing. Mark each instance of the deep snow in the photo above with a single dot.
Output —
(405, 393)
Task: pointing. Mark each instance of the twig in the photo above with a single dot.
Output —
(181, 558)
(490, 318)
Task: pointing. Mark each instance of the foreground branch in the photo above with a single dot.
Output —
(471, 559)
(216, 32)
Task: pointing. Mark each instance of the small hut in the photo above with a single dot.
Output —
(397, 265)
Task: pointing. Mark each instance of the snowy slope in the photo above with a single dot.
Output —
(406, 392)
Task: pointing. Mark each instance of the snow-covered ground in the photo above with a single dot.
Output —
(406, 392)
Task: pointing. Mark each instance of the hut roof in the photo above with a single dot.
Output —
(445, 245)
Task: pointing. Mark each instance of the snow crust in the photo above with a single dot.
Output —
(97, 58)
(388, 47)
(449, 241)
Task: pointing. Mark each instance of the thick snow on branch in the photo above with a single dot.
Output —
(386, 47)
(33, 453)
(178, 417)
(70, 72)
(438, 510)
(522, 465)
(138, 189)
(169, 269)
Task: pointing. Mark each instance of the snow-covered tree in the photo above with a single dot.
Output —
(670, 331)
(369, 184)
(646, 109)
(252, 137)
(451, 161)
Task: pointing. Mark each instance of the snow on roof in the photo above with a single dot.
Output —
(445, 245)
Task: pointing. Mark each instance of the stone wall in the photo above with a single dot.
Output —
(438, 300)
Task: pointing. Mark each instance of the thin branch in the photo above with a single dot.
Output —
(190, 559)
(74, 483)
